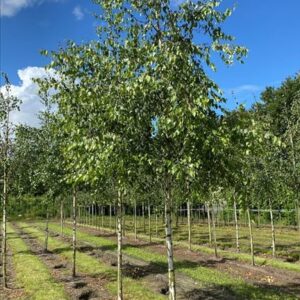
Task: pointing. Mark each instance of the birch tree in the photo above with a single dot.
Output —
(8, 103)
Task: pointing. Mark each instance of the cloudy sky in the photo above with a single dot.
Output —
(269, 28)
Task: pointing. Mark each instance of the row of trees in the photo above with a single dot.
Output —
(136, 119)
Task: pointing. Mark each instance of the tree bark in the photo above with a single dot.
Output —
(237, 238)
(119, 222)
(74, 240)
(62, 218)
(4, 229)
(214, 231)
(273, 231)
(5, 198)
(169, 243)
(143, 216)
(156, 222)
(149, 222)
(251, 237)
(258, 216)
(86, 215)
(110, 213)
(102, 216)
(135, 225)
(46, 231)
(209, 224)
(189, 224)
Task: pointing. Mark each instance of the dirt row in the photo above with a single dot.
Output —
(263, 276)
(82, 287)
(155, 277)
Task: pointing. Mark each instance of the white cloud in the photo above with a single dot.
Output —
(27, 92)
(78, 13)
(246, 88)
(10, 8)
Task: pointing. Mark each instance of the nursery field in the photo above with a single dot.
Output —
(129, 169)
(36, 274)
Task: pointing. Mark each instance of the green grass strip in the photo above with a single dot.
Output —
(202, 274)
(243, 257)
(32, 273)
(133, 289)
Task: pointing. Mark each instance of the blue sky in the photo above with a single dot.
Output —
(268, 28)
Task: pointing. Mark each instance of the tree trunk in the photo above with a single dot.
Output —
(110, 213)
(209, 223)
(177, 216)
(169, 243)
(189, 224)
(273, 232)
(237, 239)
(102, 217)
(86, 216)
(93, 214)
(62, 218)
(143, 216)
(214, 230)
(119, 221)
(156, 222)
(149, 222)
(4, 230)
(5, 196)
(46, 231)
(258, 216)
(134, 221)
(251, 237)
(74, 233)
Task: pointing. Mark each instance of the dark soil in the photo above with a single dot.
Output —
(81, 287)
(155, 277)
(264, 276)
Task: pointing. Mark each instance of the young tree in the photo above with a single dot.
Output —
(141, 94)
(8, 103)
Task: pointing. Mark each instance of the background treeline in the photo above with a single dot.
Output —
(37, 167)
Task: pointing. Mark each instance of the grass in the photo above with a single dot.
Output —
(260, 234)
(204, 275)
(133, 289)
(31, 273)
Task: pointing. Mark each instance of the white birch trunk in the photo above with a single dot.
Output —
(251, 237)
(214, 231)
(120, 223)
(237, 239)
(149, 222)
(273, 232)
(46, 231)
(209, 223)
(62, 218)
(189, 224)
(74, 240)
(169, 244)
